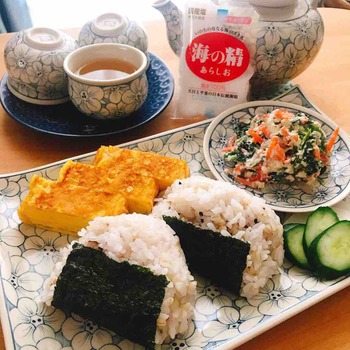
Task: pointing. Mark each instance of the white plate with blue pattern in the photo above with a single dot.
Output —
(222, 320)
(330, 187)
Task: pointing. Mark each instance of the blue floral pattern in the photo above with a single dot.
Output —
(221, 318)
(285, 48)
(37, 74)
(133, 35)
(58, 119)
(173, 19)
(109, 102)
(332, 186)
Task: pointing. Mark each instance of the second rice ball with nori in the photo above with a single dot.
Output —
(232, 212)
(127, 273)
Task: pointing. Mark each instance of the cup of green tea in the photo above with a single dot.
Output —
(107, 81)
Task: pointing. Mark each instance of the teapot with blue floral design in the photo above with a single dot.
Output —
(290, 34)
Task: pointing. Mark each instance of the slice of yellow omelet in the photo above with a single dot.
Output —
(164, 170)
(119, 181)
(63, 208)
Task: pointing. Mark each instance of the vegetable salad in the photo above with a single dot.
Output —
(278, 147)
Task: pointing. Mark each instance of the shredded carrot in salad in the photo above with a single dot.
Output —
(278, 147)
(332, 139)
(256, 137)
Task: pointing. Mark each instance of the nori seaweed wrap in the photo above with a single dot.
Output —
(128, 274)
(219, 258)
(116, 295)
(230, 212)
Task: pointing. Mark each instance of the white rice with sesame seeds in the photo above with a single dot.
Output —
(149, 242)
(231, 211)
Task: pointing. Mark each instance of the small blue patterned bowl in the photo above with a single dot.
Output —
(330, 187)
(113, 28)
(107, 99)
(34, 62)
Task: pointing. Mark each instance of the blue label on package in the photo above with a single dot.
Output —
(222, 12)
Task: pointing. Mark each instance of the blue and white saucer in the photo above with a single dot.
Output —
(66, 120)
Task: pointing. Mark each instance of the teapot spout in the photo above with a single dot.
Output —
(173, 19)
(313, 4)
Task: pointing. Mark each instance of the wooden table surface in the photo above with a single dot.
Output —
(326, 82)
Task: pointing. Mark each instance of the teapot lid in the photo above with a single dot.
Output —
(281, 13)
(273, 3)
(109, 24)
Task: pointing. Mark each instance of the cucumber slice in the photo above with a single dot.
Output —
(293, 246)
(330, 251)
(287, 227)
(317, 222)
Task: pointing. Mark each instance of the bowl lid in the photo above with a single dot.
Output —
(43, 38)
(109, 24)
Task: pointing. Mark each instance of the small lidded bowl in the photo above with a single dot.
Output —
(113, 28)
(107, 81)
(34, 62)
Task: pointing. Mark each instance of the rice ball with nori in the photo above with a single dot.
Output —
(232, 212)
(127, 273)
